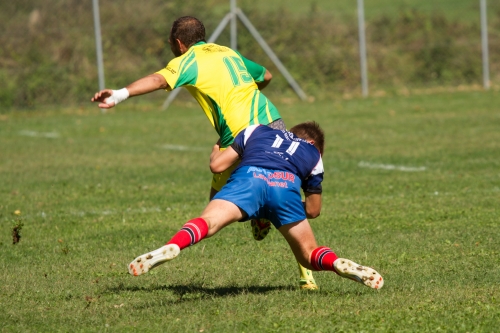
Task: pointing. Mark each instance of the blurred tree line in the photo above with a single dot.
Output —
(48, 56)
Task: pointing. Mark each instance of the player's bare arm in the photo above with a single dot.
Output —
(312, 205)
(147, 84)
(108, 98)
(221, 160)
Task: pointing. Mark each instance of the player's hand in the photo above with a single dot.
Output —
(215, 149)
(101, 97)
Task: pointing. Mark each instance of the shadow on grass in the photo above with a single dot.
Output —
(182, 290)
(176, 294)
(185, 293)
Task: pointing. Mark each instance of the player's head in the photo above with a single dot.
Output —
(189, 30)
(310, 131)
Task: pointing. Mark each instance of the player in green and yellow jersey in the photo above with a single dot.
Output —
(226, 85)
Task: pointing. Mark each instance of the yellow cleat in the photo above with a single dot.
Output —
(308, 285)
(260, 228)
(306, 281)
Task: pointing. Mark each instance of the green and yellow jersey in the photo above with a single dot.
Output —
(224, 84)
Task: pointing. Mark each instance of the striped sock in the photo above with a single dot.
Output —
(322, 259)
(191, 233)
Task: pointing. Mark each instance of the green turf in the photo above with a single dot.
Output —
(455, 9)
(94, 190)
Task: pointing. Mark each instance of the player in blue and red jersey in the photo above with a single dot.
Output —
(275, 165)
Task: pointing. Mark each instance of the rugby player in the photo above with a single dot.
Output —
(226, 85)
(275, 165)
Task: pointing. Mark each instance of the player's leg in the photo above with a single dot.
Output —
(301, 250)
(213, 192)
(217, 215)
(301, 239)
(287, 204)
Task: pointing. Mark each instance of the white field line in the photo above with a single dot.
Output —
(51, 135)
(100, 213)
(127, 211)
(168, 209)
(390, 167)
(183, 148)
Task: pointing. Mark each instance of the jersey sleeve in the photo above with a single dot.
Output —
(256, 71)
(312, 184)
(240, 141)
(176, 77)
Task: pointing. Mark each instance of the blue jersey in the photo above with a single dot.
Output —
(262, 146)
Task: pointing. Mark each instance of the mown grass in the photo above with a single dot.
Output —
(454, 9)
(95, 190)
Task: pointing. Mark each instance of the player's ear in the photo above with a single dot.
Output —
(181, 46)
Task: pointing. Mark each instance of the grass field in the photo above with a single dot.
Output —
(455, 9)
(412, 188)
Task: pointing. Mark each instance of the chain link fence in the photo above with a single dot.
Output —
(48, 53)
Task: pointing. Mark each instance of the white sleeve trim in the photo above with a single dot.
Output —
(318, 168)
(248, 132)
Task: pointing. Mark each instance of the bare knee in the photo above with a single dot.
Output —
(213, 227)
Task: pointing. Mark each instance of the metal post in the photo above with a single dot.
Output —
(484, 43)
(234, 36)
(362, 47)
(271, 55)
(98, 43)
(219, 28)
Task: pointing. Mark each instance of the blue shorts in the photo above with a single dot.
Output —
(264, 193)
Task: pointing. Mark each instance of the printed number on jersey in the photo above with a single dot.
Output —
(293, 146)
(237, 71)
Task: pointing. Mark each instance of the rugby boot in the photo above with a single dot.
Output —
(142, 264)
(362, 274)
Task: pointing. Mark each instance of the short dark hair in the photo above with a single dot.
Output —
(310, 130)
(189, 30)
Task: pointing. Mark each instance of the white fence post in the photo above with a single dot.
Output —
(484, 43)
(98, 43)
(362, 48)
(234, 20)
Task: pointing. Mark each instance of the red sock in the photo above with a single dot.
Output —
(191, 233)
(322, 259)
